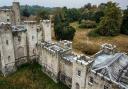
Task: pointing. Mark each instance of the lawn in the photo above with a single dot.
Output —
(82, 43)
(29, 77)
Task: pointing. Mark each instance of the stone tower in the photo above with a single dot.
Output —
(16, 11)
(7, 56)
(31, 27)
(46, 27)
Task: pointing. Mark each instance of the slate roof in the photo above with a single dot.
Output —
(112, 66)
(18, 28)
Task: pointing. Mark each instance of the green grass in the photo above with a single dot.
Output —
(29, 77)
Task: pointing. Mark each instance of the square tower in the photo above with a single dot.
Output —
(16, 12)
(7, 56)
(46, 27)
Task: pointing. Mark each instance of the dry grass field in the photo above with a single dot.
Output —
(82, 43)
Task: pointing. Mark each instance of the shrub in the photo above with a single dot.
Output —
(93, 33)
(88, 24)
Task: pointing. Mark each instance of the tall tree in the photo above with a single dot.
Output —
(62, 29)
(111, 22)
(26, 12)
(124, 26)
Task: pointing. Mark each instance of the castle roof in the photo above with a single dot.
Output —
(18, 28)
(112, 66)
(52, 47)
(69, 57)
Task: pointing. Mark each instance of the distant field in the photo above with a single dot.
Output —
(29, 77)
(82, 43)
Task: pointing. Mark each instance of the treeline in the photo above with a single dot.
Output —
(107, 19)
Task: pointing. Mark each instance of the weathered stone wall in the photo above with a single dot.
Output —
(6, 16)
(20, 47)
(46, 27)
(31, 27)
(99, 82)
(65, 72)
(79, 75)
(7, 47)
(50, 63)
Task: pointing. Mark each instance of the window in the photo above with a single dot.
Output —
(19, 38)
(34, 51)
(79, 73)
(8, 20)
(77, 86)
(91, 80)
(32, 37)
(9, 58)
(7, 42)
(105, 87)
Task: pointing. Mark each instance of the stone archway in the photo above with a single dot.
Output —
(77, 86)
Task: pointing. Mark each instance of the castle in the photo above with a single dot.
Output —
(22, 43)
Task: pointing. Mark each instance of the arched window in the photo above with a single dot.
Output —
(9, 58)
(77, 86)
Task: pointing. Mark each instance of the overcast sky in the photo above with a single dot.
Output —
(61, 3)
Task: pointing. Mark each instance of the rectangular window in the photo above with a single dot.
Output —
(32, 37)
(6, 42)
(79, 73)
(9, 58)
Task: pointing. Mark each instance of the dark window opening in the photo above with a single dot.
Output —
(79, 73)
(7, 42)
(77, 86)
(105, 87)
(8, 20)
(32, 37)
(19, 38)
(9, 58)
(91, 80)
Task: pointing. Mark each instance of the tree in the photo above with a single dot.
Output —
(26, 12)
(111, 22)
(42, 14)
(98, 16)
(62, 29)
(124, 26)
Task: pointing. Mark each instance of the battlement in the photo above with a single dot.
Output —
(54, 48)
(5, 25)
(30, 22)
(108, 48)
(83, 60)
(65, 44)
(45, 21)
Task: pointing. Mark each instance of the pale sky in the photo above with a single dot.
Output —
(61, 3)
